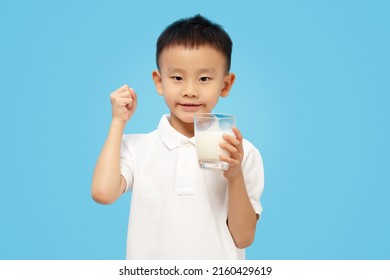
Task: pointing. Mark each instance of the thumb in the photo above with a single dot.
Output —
(133, 94)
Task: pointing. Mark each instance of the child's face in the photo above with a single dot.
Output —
(191, 81)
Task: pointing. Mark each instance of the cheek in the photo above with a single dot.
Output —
(169, 96)
(213, 101)
(169, 88)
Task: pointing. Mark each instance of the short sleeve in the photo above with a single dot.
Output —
(254, 176)
(127, 163)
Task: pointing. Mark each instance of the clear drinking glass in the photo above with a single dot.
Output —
(209, 130)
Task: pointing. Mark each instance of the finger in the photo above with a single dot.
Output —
(122, 89)
(126, 101)
(124, 93)
(237, 133)
(232, 140)
(123, 101)
(229, 148)
(132, 93)
(118, 94)
(229, 160)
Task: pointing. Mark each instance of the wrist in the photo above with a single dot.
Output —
(118, 123)
(236, 178)
(117, 127)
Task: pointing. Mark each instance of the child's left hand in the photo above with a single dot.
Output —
(234, 146)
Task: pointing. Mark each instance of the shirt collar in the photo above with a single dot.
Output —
(170, 136)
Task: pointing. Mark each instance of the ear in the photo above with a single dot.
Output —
(228, 82)
(158, 82)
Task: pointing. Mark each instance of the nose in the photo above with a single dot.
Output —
(190, 90)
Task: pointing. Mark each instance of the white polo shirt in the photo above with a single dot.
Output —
(177, 210)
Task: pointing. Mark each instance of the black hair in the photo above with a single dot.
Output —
(194, 32)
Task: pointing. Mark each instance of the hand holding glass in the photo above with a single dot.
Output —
(209, 131)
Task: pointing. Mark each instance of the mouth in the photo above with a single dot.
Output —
(190, 106)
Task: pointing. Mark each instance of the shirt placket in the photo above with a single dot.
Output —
(185, 175)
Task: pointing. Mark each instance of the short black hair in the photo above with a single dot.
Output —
(194, 32)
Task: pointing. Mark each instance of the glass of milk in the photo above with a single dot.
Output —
(209, 130)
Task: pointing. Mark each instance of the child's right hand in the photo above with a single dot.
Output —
(124, 103)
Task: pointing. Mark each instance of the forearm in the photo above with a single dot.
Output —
(107, 182)
(241, 215)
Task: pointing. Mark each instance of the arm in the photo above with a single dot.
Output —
(242, 218)
(107, 182)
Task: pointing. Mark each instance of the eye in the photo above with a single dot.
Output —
(176, 78)
(205, 79)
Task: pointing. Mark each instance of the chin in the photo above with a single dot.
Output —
(187, 118)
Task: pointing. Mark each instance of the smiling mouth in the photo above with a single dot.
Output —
(190, 107)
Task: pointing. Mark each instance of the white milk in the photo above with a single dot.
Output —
(207, 145)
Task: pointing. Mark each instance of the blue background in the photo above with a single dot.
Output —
(312, 93)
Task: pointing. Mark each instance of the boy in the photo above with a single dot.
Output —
(179, 211)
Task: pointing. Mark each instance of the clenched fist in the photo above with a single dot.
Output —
(124, 103)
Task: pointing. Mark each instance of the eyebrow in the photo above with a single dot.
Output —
(202, 70)
(209, 70)
(176, 70)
